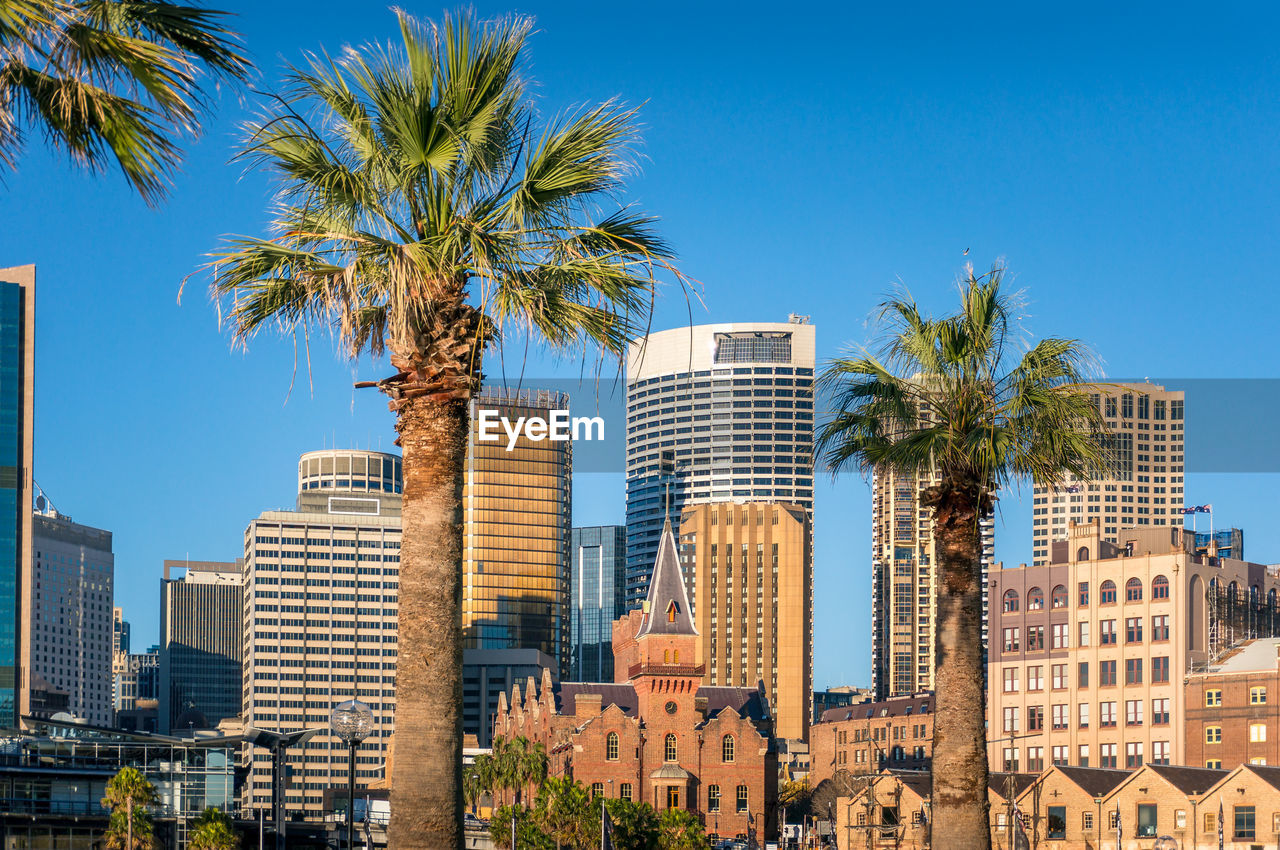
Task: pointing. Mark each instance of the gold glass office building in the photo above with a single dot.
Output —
(517, 529)
(1146, 424)
(749, 574)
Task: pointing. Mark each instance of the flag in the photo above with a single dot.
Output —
(1219, 823)
(606, 829)
(1119, 829)
(1198, 509)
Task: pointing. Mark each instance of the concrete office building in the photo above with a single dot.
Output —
(904, 584)
(1146, 484)
(321, 585)
(137, 679)
(17, 401)
(72, 628)
(489, 673)
(201, 644)
(517, 523)
(748, 568)
(1090, 651)
(597, 597)
(715, 413)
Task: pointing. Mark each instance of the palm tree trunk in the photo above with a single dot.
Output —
(426, 782)
(960, 807)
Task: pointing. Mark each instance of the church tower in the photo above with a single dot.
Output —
(666, 672)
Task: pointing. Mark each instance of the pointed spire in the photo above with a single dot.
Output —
(668, 601)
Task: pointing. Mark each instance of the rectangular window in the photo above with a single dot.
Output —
(1012, 640)
(1133, 712)
(1059, 636)
(1257, 696)
(1083, 710)
(1212, 698)
(713, 798)
(1133, 630)
(1059, 674)
(1035, 719)
(1257, 733)
(1084, 635)
(1108, 757)
(1133, 671)
(1213, 734)
(1035, 638)
(1010, 718)
(1059, 715)
(1160, 712)
(1011, 760)
(1083, 758)
(1146, 820)
(1160, 670)
(1056, 823)
(1035, 759)
(1106, 714)
(624, 791)
(1035, 677)
(1133, 755)
(1245, 825)
(1060, 754)
(1082, 674)
(1084, 594)
(1159, 752)
(742, 799)
(1106, 674)
(1160, 628)
(1086, 821)
(1107, 632)
(1010, 680)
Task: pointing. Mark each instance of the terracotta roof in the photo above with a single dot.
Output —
(668, 603)
(1094, 781)
(1189, 780)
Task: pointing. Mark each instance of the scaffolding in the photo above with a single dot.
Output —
(1237, 614)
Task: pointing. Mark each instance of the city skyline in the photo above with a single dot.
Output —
(1092, 193)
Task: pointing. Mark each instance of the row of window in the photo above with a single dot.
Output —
(1060, 715)
(1108, 675)
(1134, 756)
(1146, 823)
(1213, 697)
(1060, 634)
(1107, 590)
(1257, 734)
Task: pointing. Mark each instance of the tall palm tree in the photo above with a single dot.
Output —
(128, 794)
(102, 79)
(425, 209)
(964, 401)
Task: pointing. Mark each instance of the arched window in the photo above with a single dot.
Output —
(726, 748)
(742, 799)
(611, 747)
(1010, 601)
(1082, 554)
(1133, 590)
(1271, 597)
(1160, 588)
(1035, 599)
(1232, 589)
(1107, 593)
(713, 798)
(670, 749)
(1058, 597)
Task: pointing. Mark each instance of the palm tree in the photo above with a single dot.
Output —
(680, 829)
(120, 79)
(128, 794)
(425, 210)
(564, 811)
(213, 830)
(474, 778)
(962, 401)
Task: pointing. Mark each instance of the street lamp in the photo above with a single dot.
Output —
(352, 721)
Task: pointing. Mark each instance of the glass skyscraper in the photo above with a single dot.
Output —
(715, 413)
(596, 598)
(200, 644)
(17, 358)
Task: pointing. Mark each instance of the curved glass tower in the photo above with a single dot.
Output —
(715, 413)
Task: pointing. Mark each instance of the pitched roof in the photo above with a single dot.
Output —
(913, 705)
(1189, 780)
(1268, 774)
(1094, 781)
(668, 603)
(998, 783)
(747, 702)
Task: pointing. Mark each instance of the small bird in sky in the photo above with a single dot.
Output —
(966, 252)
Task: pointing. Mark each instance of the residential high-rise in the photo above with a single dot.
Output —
(321, 586)
(1093, 650)
(17, 393)
(904, 584)
(749, 573)
(72, 626)
(1145, 487)
(201, 643)
(715, 413)
(596, 598)
(517, 523)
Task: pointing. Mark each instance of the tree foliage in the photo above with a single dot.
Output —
(129, 792)
(112, 79)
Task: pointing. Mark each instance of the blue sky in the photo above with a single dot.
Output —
(802, 160)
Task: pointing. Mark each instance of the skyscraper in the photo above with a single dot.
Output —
(72, 629)
(517, 523)
(201, 644)
(715, 413)
(17, 376)
(596, 599)
(748, 567)
(1145, 486)
(321, 587)
(904, 584)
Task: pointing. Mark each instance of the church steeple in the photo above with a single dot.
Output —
(667, 607)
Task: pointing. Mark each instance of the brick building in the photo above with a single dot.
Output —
(895, 733)
(1233, 708)
(659, 735)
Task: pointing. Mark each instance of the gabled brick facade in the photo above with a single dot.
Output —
(660, 736)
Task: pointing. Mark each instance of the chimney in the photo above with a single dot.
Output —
(700, 705)
(587, 705)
